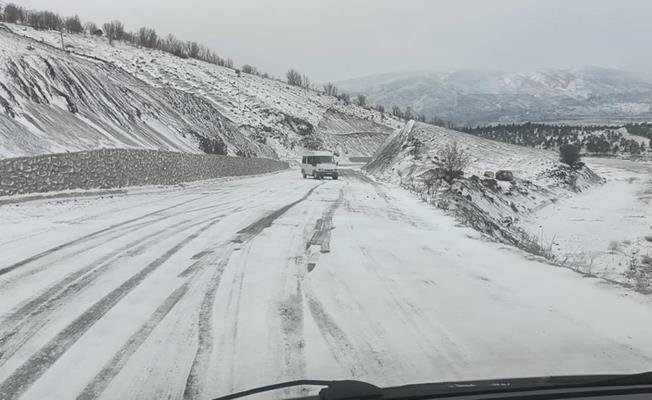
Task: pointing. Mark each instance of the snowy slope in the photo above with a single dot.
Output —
(54, 102)
(275, 117)
(481, 97)
(495, 208)
(487, 155)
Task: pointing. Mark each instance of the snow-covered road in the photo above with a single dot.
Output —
(198, 291)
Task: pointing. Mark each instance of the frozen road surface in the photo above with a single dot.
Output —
(199, 291)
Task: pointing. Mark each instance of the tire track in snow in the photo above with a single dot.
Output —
(205, 330)
(290, 310)
(102, 380)
(23, 377)
(411, 316)
(231, 314)
(342, 349)
(20, 276)
(292, 322)
(205, 336)
(258, 226)
(205, 259)
(32, 316)
(88, 236)
(115, 234)
(119, 234)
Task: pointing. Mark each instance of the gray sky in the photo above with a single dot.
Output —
(340, 39)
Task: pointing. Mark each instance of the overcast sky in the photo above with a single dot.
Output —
(340, 39)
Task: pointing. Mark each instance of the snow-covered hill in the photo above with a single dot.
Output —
(96, 95)
(481, 97)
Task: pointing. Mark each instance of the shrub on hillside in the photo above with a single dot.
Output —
(344, 97)
(569, 154)
(454, 160)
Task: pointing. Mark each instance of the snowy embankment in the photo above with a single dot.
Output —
(595, 218)
(141, 98)
(606, 231)
(495, 207)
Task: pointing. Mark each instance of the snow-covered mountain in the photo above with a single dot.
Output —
(480, 97)
(97, 95)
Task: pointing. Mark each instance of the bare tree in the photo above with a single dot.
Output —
(43, 20)
(90, 28)
(147, 37)
(73, 24)
(305, 81)
(249, 69)
(409, 113)
(114, 30)
(294, 77)
(12, 13)
(454, 160)
(330, 89)
(174, 46)
(193, 49)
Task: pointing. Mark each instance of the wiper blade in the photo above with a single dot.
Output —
(335, 390)
(620, 380)
(492, 386)
(350, 389)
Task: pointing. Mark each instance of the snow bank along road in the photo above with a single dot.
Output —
(198, 291)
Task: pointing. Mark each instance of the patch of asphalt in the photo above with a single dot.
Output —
(258, 226)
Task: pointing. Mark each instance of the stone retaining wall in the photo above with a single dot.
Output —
(113, 168)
